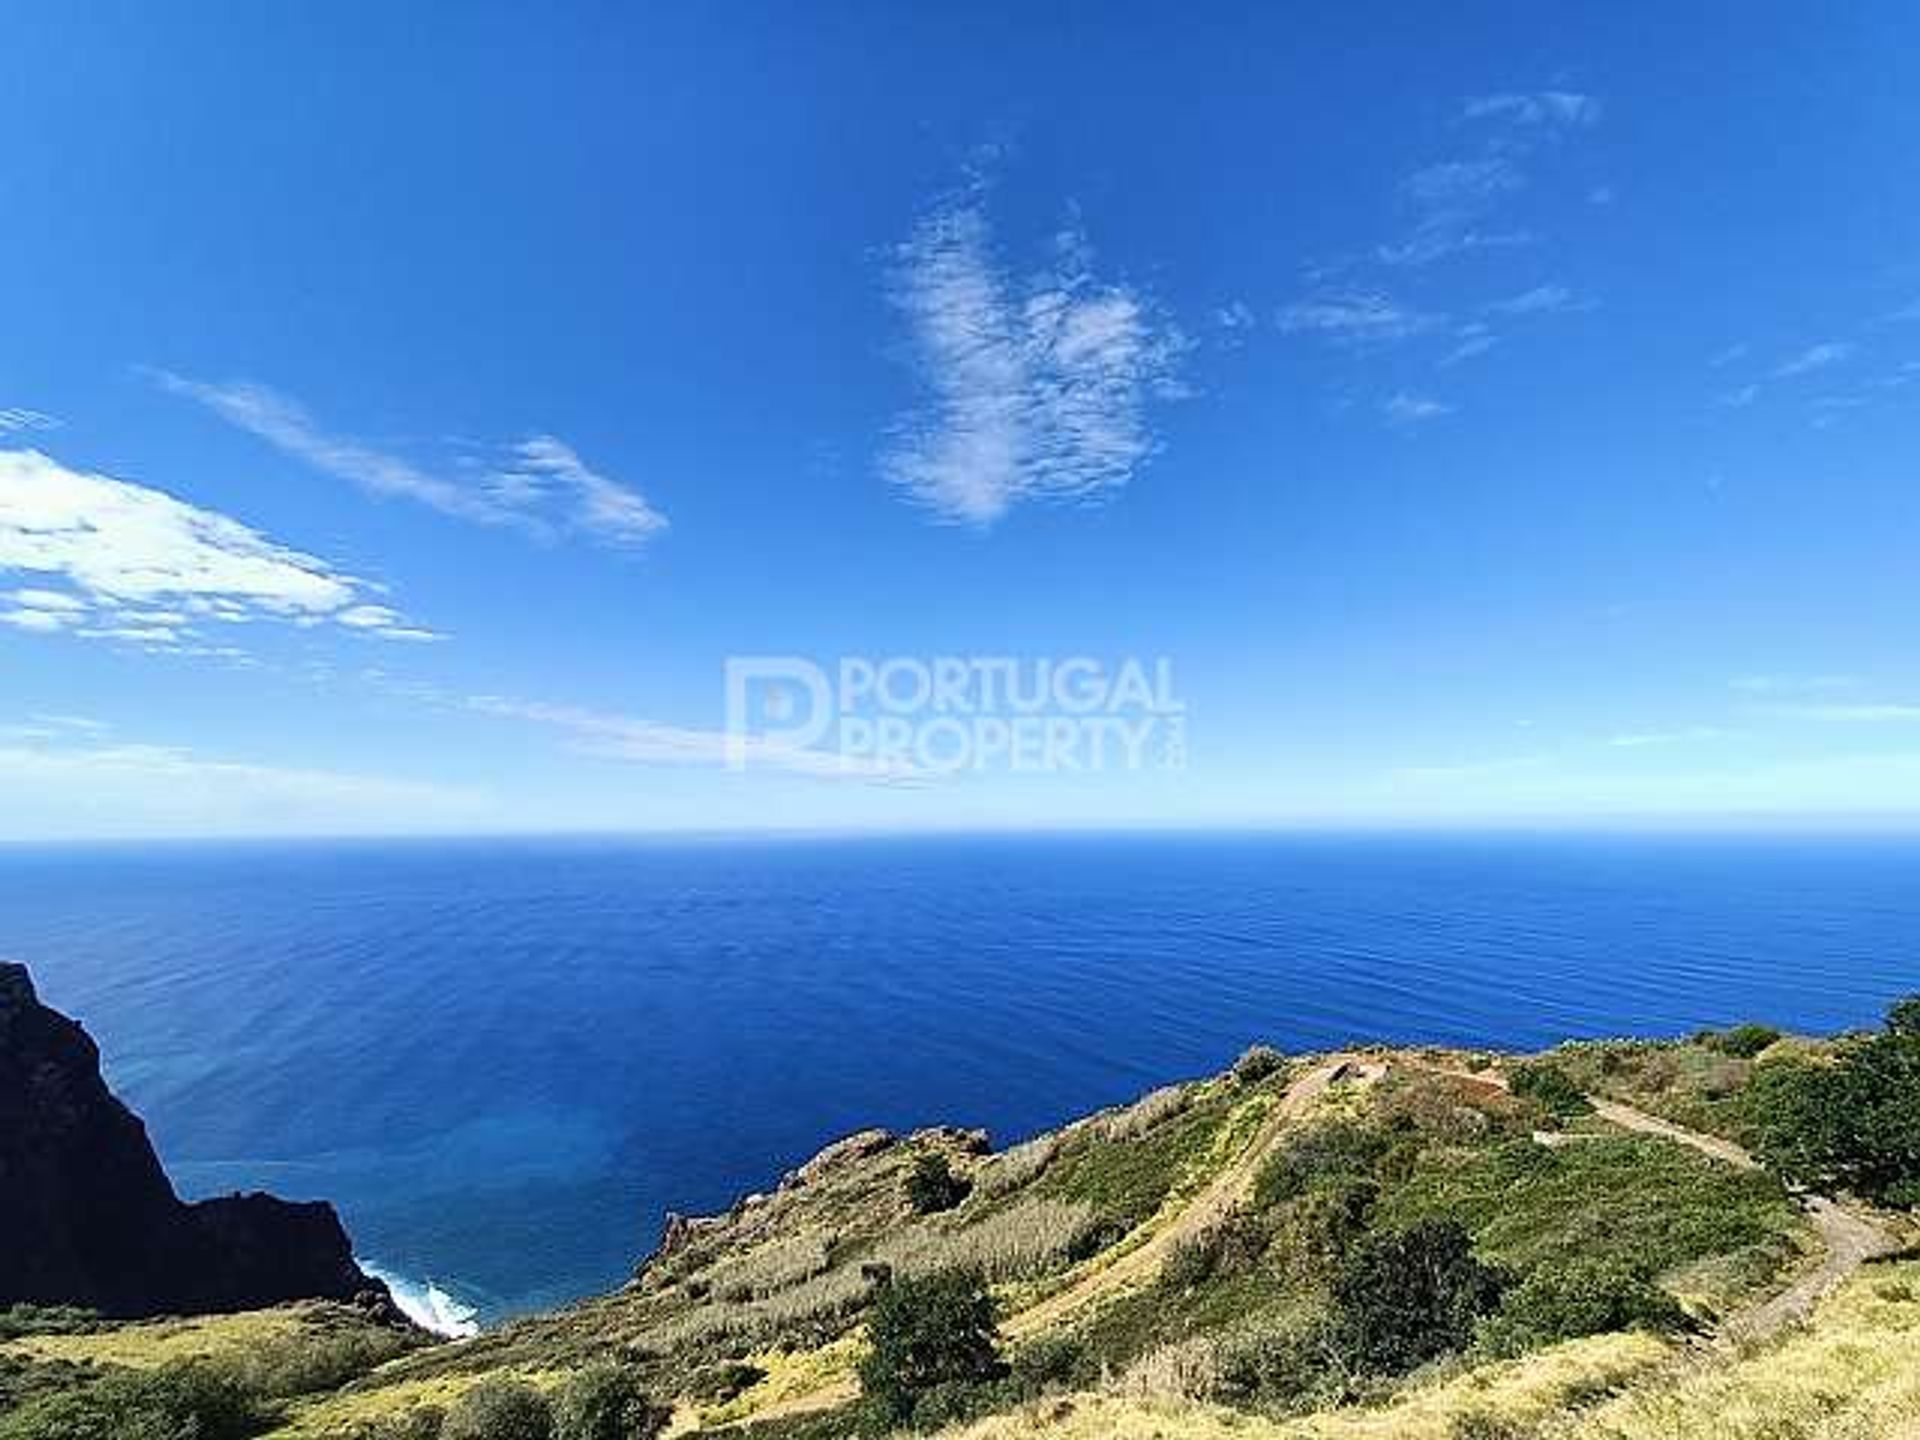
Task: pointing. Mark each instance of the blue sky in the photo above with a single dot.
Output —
(1494, 418)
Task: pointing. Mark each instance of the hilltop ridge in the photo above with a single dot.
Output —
(1422, 1244)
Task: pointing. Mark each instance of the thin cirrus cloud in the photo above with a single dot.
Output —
(1864, 713)
(1356, 317)
(1035, 390)
(647, 742)
(1541, 300)
(1409, 409)
(1539, 107)
(1815, 357)
(106, 559)
(14, 419)
(538, 485)
(91, 783)
(1456, 204)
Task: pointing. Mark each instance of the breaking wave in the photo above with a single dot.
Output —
(426, 1304)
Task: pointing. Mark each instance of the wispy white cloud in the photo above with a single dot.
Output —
(538, 485)
(13, 420)
(646, 742)
(1541, 300)
(1462, 186)
(67, 780)
(1537, 107)
(548, 469)
(1777, 684)
(1815, 357)
(1691, 735)
(1740, 397)
(1236, 315)
(1037, 389)
(1436, 239)
(1732, 353)
(1357, 317)
(1475, 339)
(138, 565)
(1453, 202)
(1864, 713)
(1408, 409)
(1466, 770)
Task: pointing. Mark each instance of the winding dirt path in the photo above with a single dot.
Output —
(1141, 1264)
(1848, 1238)
(1224, 1193)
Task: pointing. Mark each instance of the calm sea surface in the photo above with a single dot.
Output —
(505, 1060)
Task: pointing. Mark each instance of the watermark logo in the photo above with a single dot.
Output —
(911, 717)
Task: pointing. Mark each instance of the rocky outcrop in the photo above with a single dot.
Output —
(88, 1217)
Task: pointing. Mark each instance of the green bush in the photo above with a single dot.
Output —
(1321, 1155)
(499, 1410)
(932, 1186)
(927, 1336)
(1231, 1246)
(185, 1401)
(1318, 1229)
(1277, 1360)
(1568, 1299)
(1851, 1125)
(17, 1321)
(1407, 1297)
(1743, 1042)
(1549, 1087)
(1257, 1063)
(607, 1402)
(308, 1363)
(719, 1383)
(1049, 1362)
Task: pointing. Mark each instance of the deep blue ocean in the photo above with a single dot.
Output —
(506, 1060)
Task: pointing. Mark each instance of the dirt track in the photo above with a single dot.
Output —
(1849, 1239)
(1224, 1193)
(1142, 1263)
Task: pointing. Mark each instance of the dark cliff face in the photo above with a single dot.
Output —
(88, 1217)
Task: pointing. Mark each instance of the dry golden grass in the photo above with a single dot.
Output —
(148, 1344)
(1852, 1374)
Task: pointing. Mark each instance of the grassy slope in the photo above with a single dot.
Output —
(758, 1316)
(1852, 1374)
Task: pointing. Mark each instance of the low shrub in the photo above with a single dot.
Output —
(1257, 1063)
(310, 1362)
(1406, 1297)
(719, 1383)
(1323, 1154)
(607, 1402)
(19, 1321)
(1050, 1362)
(1568, 1299)
(932, 1186)
(1850, 1125)
(1232, 1245)
(928, 1336)
(1551, 1088)
(1743, 1042)
(499, 1410)
(189, 1400)
(1317, 1229)
(1278, 1361)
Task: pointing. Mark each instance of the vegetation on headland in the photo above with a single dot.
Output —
(1390, 1243)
